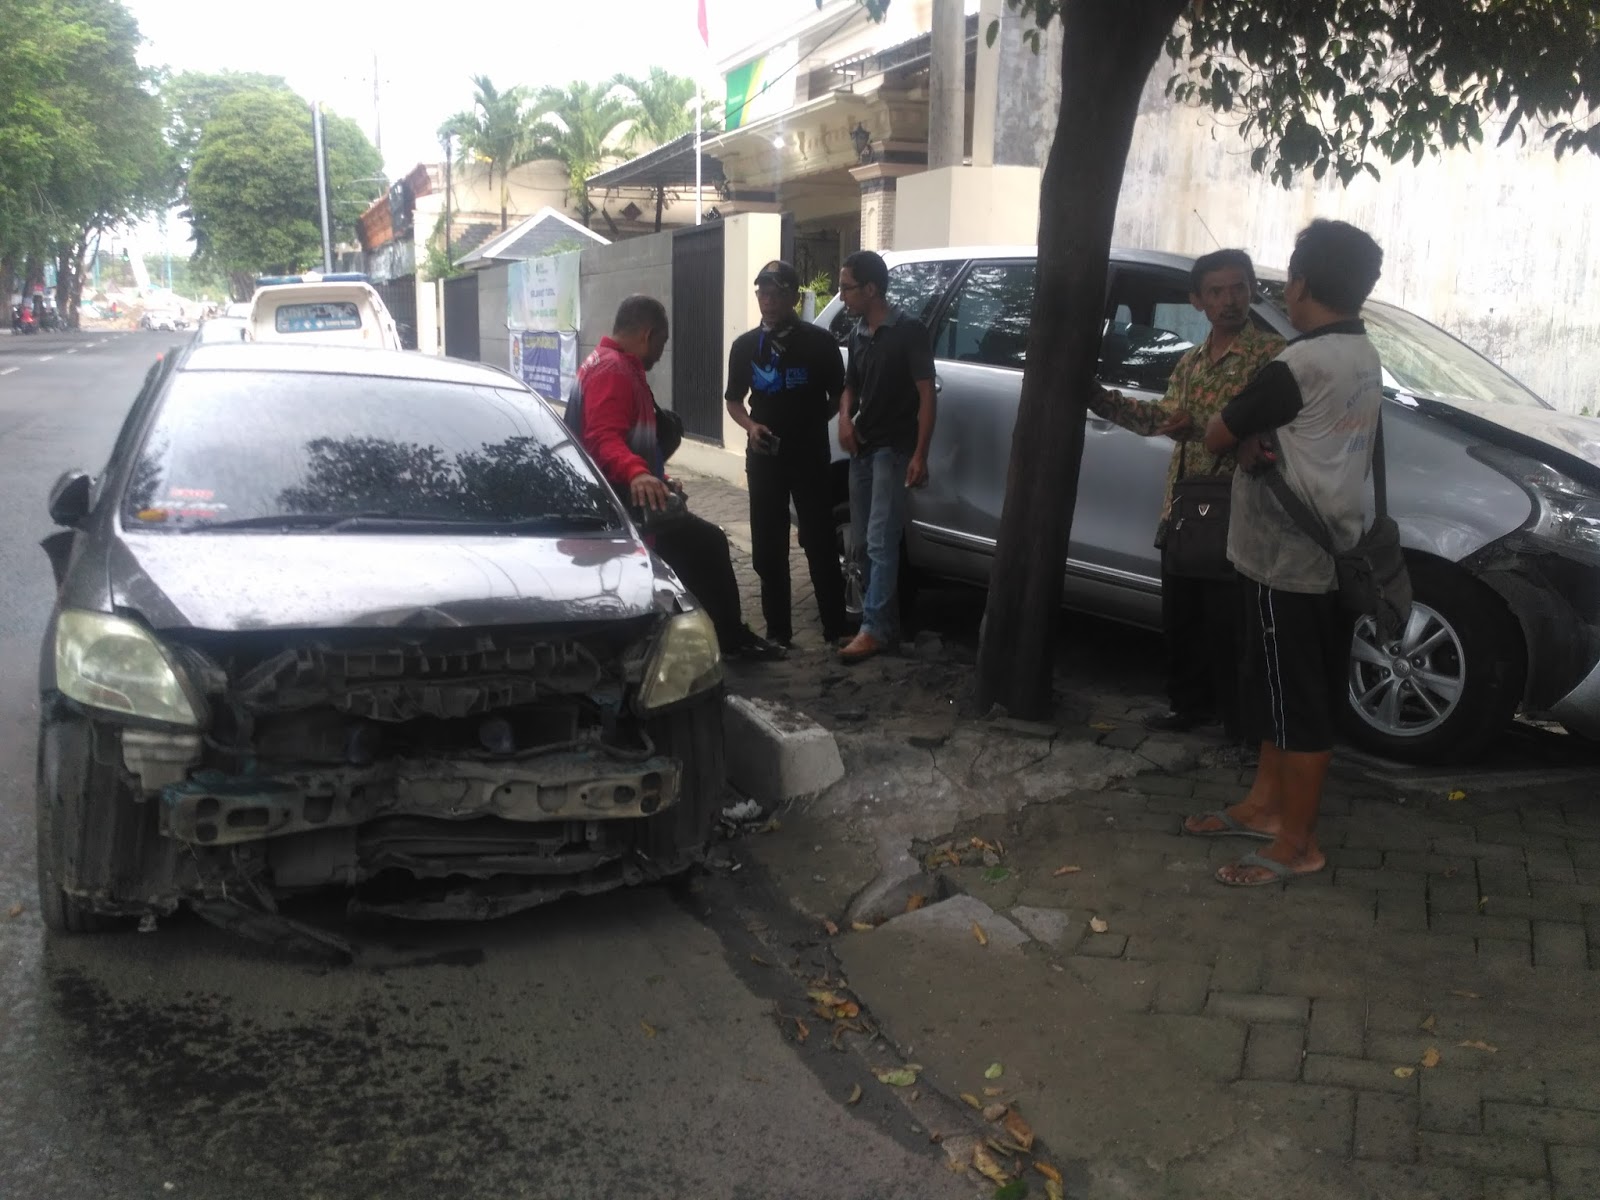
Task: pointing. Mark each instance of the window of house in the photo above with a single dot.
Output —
(987, 321)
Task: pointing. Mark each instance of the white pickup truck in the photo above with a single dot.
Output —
(337, 310)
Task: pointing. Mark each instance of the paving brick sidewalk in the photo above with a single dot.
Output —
(1467, 928)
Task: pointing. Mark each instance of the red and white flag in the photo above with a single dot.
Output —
(705, 31)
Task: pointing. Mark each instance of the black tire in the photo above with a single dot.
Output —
(1476, 645)
(70, 784)
(676, 839)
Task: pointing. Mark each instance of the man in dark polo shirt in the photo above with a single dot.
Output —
(886, 417)
(792, 372)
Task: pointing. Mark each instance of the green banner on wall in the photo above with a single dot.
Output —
(744, 85)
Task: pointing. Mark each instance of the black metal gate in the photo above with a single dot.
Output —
(461, 317)
(400, 298)
(697, 255)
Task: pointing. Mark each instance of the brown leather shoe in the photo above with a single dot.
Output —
(860, 648)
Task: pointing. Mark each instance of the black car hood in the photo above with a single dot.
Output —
(251, 581)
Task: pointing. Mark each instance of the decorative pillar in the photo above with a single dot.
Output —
(878, 182)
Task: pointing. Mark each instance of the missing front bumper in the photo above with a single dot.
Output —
(213, 809)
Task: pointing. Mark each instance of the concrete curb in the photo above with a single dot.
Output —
(775, 753)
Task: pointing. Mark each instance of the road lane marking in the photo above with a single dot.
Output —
(47, 358)
(10, 371)
(73, 350)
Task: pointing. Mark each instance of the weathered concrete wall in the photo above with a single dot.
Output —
(610, 274)
(494, 340)
(1495, 244)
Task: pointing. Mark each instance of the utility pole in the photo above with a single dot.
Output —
(321, 153)
(377, 114)
(449, 199)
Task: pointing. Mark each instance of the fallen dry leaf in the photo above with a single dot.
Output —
(1479, 1044)
(992, 1092)
(994, 1071)
(1021, 1132)
(801, 1030)
(1429, 1023)
(916, 901)
(1458, 794)
(972, 1100)
(977, 932)
(1049, 1172)
(1103, 726)
(14, 911)
(897, 1076)
(855, 1095)
(984, 1163)
(861, 927)
(1059, 871)
(826, 999)
(1404, 1072)
(1054, 1190)
(759, 961)
(1466, 995)
(1098, 924)
(994, 1112)
(831, 928)
(649, 1030)
(1430, 1058)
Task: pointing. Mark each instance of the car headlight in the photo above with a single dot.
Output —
(111, 663)
(685, 660)
(1566, 513)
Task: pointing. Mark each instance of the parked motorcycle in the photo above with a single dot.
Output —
(22, 319)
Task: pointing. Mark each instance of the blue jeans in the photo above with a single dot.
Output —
(877, 521)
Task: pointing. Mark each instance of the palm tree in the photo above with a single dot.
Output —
(663, 110)
(578, 124)
(495, 131)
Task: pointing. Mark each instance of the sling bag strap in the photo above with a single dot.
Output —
(1300, 513)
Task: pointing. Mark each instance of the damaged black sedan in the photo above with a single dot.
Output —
(361, 619)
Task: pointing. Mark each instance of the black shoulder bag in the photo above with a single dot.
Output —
(1372, 575)
(1194, 540)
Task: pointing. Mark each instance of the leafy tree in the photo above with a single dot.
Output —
(253, 188)
(663, 110)
(80, 135)
(496, 132)
(1318, 85)
(193, 98)
(579, 125)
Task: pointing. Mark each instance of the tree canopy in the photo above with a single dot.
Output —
(252, 190)
(580, 124)
(495, 131)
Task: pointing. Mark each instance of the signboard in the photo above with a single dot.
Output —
(761, 88)
(542, 315)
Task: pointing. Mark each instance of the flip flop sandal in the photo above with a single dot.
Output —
(1231, 827)
(1281, 873)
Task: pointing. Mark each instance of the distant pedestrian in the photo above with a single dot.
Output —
(616, 421)
(792, 372)
(1199, 611)
(1311, 414)
(886, 419)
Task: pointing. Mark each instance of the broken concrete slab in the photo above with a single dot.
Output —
(1048, 925)
(776, 753)
(954, 918)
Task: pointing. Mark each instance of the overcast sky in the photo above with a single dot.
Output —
(427, 53)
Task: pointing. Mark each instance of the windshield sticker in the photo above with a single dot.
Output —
(317, 318)
(183, 504)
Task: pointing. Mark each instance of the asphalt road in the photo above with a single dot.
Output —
(623, 1046)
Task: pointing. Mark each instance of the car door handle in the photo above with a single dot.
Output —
(938, 385)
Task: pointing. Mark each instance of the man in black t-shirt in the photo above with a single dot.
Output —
(793, 374)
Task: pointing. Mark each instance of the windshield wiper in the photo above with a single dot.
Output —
(333, 522)
(557, 523)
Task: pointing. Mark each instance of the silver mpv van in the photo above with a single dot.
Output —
(1497, 494)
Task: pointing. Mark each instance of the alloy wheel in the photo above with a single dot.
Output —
(1407, 687)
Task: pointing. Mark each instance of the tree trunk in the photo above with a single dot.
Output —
(1107, 54)
(661, 205)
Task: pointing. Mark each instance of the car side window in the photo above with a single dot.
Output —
(1150, 325)
(987, 321)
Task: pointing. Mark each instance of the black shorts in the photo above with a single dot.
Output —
(1295, 673)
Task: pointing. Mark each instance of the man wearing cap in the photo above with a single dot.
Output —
(792, 372)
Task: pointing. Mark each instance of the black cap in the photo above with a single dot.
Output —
(781, 273)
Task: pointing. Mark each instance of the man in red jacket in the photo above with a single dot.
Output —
(617, 426)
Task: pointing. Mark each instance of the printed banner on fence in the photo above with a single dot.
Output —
(542, 293)
(547, 362)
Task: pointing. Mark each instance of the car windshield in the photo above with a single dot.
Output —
(1422, 358)
(241, 448)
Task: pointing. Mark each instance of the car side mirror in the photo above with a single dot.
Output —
(69, 499)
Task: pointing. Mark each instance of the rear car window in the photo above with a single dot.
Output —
(317, 318)
(233, 445)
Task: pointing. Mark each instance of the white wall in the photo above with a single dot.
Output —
(967, 206)
(494, 340)
(750, 241)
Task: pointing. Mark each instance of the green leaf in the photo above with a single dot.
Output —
(996, 874)
(995, 1071)
(990, 34)
(897, 1076)
(1015, 1190)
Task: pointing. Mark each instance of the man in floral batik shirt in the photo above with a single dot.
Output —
(1200, 616)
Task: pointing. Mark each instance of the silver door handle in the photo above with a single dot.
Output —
(938, 385)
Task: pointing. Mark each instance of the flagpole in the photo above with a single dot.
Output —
(700, 119)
